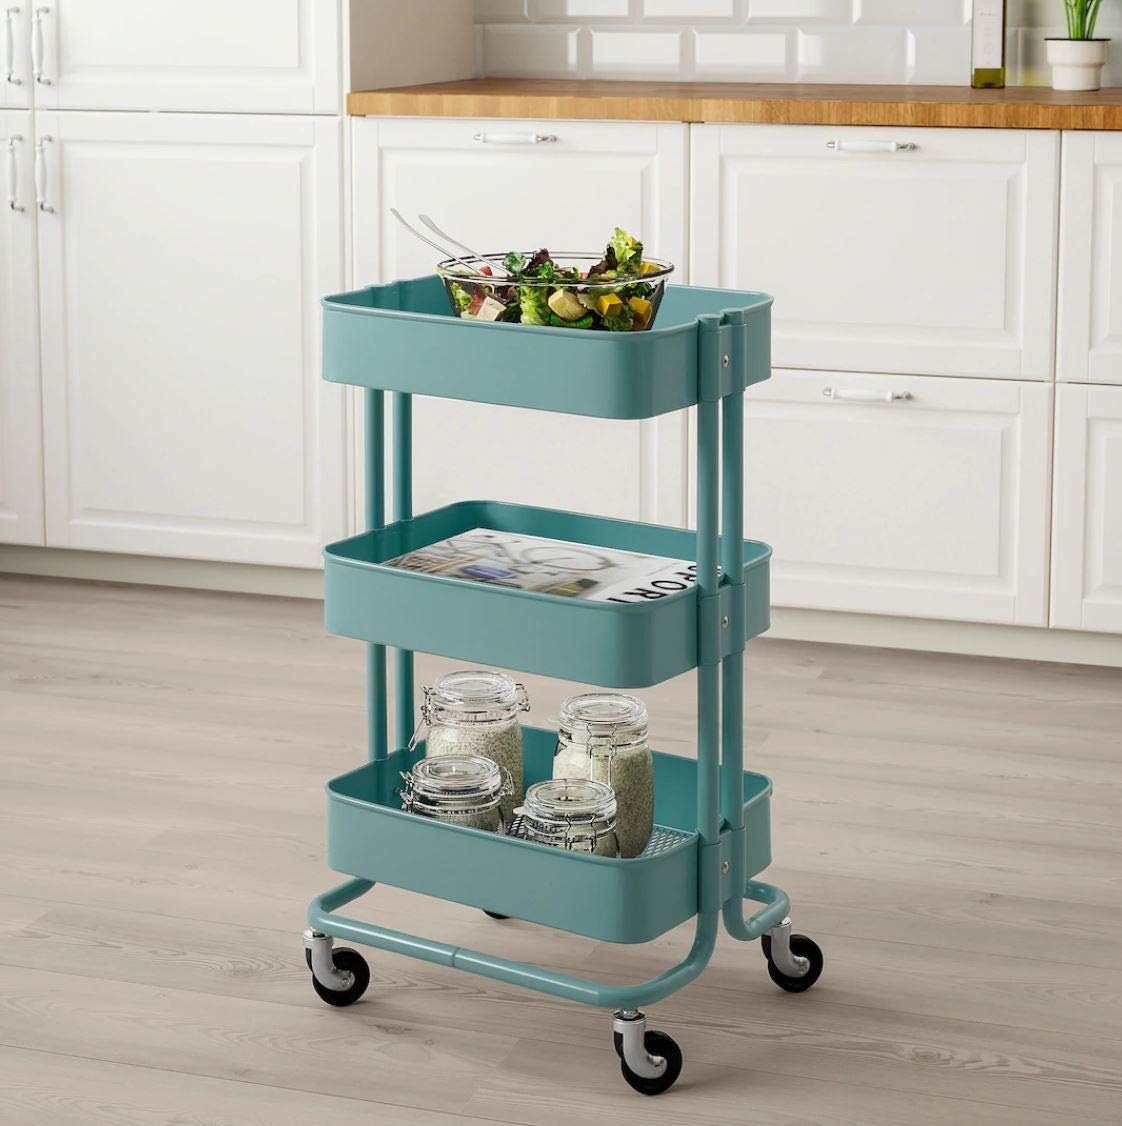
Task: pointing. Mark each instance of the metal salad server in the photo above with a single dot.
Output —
(463, 246)
(465, 262)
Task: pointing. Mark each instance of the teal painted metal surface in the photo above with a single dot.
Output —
(777, 906)
(322, 917)
(606, 643)
(732, 671)
(403, 337)
(707, 347)
(369, 836)
(403, 510)
(374, 501)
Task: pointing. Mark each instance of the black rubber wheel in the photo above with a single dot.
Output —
(355, 963)
(658, 1044)
(494, 915)
(805, 948)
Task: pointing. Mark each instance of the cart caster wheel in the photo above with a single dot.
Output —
(493, 915)
(801, 947)
(349, 961)
(658, 1044)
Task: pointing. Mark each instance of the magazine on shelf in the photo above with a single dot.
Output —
(569, 570)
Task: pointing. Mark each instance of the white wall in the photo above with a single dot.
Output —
(925, 42)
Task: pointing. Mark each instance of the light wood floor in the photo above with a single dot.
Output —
(948, 828)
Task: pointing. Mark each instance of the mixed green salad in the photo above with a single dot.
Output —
(610, 294)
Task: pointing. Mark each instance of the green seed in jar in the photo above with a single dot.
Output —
(503, 744)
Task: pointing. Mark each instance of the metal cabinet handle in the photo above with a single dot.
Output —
(13, 173)
(37, 46)
(9, 41)
(872, 146)
(515, 138)
(839, 395)
(41, 174)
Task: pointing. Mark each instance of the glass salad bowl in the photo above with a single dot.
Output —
(565, 296)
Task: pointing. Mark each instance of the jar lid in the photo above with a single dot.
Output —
(610, 718)
(455, 776)
(561, 802)
(469, 691)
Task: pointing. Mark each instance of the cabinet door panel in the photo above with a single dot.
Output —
(279, 56)
(933, 504)
(1089, 347)
(181, 271)
(1087, 517)
(21, 455)
(505, 193)
(935, 260)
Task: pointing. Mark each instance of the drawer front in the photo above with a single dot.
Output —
(1089, 348)
(1087, 514)
(936, 259)
(902, 495)
(487, 181)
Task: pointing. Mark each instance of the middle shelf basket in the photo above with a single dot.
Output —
(612, 644)
(371, 837)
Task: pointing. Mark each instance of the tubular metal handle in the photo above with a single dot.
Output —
(13, 173)
(9, 41)
(514, 138)
(872, 146)
(41, 174)
(37, 46)
(839, 395)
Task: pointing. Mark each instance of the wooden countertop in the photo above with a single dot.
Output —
(1016, 107)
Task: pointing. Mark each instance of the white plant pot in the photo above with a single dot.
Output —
(1077, 64)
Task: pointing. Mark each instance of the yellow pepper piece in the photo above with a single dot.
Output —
(648, 268)
(642, 308)
(565, 304)
(608, 304)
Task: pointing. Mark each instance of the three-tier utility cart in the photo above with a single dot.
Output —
(712, 834)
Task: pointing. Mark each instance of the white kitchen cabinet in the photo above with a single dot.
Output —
(208, 55)
(15, 54)
(1087, 509)
(936, 259)
(1089, 347)
(181, 265)
(501, 185)
(902, 495)
(21, 458)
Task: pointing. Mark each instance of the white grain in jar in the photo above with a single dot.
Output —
(603, 736)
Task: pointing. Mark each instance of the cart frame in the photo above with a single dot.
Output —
(723, 886)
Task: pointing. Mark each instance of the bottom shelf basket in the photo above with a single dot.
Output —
(371, 837)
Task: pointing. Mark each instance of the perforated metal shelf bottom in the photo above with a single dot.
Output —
(662, 837)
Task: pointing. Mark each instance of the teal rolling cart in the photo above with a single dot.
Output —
(712, 835)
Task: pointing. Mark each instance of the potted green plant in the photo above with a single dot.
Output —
(1077, 61)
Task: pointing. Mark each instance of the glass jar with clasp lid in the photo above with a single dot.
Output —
(571, 813)
(458, 789)
(475, 712)
(603, 736)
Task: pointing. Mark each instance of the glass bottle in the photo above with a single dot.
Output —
(987, 45)
(572, 813)
(459, 789)
(475, 712)
(603, 736)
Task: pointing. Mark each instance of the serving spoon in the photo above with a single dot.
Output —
(465, 262)
(506, 274)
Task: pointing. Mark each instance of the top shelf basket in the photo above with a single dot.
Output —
(706, 343)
